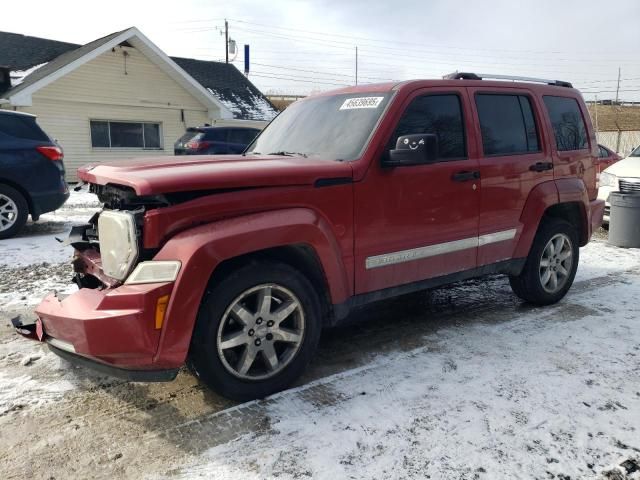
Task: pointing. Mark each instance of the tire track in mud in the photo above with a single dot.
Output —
(101, 426)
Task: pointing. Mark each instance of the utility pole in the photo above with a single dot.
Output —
(226, 41)
(618, 87)
(356, 65)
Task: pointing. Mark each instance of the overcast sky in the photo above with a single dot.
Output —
(303, 46)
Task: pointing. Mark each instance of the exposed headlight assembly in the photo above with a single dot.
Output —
(118, 243)
(608, 180)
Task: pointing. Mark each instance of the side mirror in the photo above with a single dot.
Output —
(416, 149)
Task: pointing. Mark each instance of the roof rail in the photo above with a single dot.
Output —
(481, 76)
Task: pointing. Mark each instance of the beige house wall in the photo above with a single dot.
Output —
(107, 88)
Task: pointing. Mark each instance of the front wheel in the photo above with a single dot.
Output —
(551, 265)
(257, 330)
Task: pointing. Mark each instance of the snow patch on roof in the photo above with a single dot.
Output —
(18, 76)
(251, 107)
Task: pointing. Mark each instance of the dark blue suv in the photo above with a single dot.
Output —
(31, 172)
(215, 140)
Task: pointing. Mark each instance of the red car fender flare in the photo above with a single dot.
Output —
(574, 190)
(201, 249)
(541, 197)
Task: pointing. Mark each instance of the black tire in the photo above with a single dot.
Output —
(528, 285)
(22, 213)
(204, 359)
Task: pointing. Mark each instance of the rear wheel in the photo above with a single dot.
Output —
(257, 330)
(14, 211)
(551, 265)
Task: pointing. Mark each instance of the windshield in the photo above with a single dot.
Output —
(635, 153)
(333, 127)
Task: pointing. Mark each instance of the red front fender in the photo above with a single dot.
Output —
(202, 249)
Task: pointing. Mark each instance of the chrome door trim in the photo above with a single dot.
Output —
(412, 254)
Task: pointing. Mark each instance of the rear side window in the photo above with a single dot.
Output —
(602, 152)
(568, 124)
(507, 124)
(437, 114)
(19, 126)
(216, 135)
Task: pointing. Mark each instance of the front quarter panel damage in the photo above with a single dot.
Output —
(202, 249)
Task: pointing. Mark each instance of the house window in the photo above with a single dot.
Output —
(113, 134)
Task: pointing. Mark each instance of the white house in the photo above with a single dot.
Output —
(120, 96)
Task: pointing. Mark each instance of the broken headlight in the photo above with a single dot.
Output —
(118, 243)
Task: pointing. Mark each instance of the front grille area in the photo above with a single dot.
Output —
(630, 186)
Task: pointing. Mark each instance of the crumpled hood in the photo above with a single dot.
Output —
(150, 176)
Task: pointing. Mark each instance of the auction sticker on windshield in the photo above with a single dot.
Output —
(361, 102)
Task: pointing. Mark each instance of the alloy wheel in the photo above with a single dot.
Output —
(261, 331)
(8, 212)
(556, 263)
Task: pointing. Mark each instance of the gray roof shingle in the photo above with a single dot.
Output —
(229, 85)
(20, 52)
(60, 61)
(232, 88)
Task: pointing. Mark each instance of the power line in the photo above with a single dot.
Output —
(260, 75)
(349, 46)
(388, 41)
(317, 71)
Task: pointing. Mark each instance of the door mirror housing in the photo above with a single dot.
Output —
(417, 149)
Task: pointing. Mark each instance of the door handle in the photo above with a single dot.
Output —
(465, 176)
(541, 166)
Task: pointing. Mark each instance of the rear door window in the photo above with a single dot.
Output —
(436, 114)
(20, 126)
(569, 128)
(507, 124)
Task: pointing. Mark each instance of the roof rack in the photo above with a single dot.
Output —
(481, 76)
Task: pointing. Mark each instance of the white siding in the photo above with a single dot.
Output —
(101, 90)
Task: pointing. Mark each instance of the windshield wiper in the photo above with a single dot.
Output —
(289, 154)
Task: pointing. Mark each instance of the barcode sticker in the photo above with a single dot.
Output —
(361, 102)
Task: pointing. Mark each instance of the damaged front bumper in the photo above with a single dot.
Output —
(112, 329)
(67, 351)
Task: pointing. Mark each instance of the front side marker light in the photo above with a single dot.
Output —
(161, 309)
(154, 272)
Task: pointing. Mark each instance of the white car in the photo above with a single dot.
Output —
(622, 176)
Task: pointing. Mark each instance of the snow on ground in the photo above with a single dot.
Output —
(37, 243)
(29, 390)
(35, 262)
(553, 393)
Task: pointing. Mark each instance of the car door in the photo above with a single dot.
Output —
(421, 221)
(514, 159)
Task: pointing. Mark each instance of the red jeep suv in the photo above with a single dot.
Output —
(234, 264)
